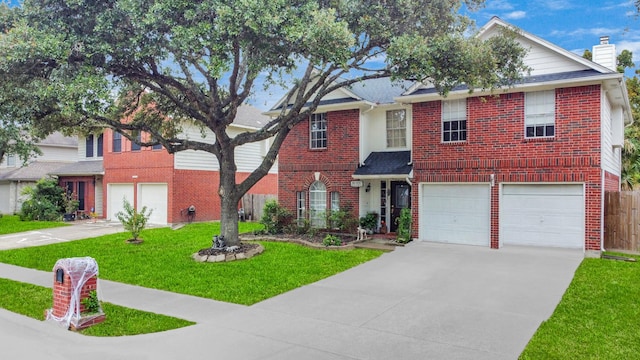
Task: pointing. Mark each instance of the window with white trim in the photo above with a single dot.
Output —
(301, 207)
(396, 128)
(318, 131)
(454, 120)
(335, 201)
(318, 204)
(11, 160)
(540, 114)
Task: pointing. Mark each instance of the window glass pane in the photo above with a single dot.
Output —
(396, 128)
(539, 113)
(89, 146)
(11, 160)
(318, 204)
(318, 131)
(117, 142)
(138, 136)
(454, 120)
(100, 144)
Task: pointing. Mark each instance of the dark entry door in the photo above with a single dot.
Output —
(400, 199)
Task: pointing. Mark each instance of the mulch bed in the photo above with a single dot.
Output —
(242, 248)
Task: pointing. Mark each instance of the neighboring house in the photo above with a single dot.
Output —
(527, 165)
(83, 178)
(57, 151)
(171, 183)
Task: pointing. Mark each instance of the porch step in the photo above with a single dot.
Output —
(375, 244)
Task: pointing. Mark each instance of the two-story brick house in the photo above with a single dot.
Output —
(172, 183)
(527, 165)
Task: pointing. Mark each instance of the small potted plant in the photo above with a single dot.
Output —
(369, 222)
(70, 207)
(93, 215)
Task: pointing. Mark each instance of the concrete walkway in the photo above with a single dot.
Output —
(422, 301)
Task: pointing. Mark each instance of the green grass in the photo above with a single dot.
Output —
(10, 224)
(597, 318)
(164, 262)
(32, 300)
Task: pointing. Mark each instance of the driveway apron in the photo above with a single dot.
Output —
(422, 301)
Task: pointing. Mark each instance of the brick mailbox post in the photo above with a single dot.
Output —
(75, 286)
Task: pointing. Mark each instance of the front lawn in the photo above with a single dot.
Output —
(32, 300)
(10, 224)
(163, 261)
(597, 318)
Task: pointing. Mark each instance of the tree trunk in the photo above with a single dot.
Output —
(229, 198)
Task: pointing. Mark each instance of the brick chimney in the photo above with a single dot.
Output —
(605, 53)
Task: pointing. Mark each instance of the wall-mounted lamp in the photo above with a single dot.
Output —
(368, 188)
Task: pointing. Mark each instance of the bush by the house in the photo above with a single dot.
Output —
(44, 201)
(275, 218)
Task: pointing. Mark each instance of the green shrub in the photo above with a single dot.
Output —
(342, 219)
(404, 226)
(331, 240)
(134, 221)
(44, 201)
(91, 303)
(275, 218)
(369, 221)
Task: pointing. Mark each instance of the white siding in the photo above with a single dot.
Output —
(611, 161)
(248, 156)
(99, 197)
(541, 59)
(374, 130)
(545, 61)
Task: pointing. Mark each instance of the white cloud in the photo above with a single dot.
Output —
(514, 15)
(598, 31)
(498, 5)
(557, 4)
(633, 46)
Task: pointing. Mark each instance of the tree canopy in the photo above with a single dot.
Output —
(72, 64)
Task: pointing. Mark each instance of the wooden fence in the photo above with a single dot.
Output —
(622, 220)
(253, 204)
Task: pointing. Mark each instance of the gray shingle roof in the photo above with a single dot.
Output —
(571, 75)
(250, 116)
(386, 163)
(93, 167)
(380, 91)
(33, 171)
(58, 139)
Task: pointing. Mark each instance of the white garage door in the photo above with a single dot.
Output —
(154, 196)
(115, 194)
(456, 213)
(542, 215)
(5, 200)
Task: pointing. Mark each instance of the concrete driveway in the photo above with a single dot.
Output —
(423, 301)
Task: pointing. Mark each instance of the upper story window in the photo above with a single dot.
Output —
(11, 160)
(454, 120)
(318, 131)
(138, 136)
(89, 146)
(396, 128)
(117, 142)
(540, 114)
(156, 146)
(100, 144)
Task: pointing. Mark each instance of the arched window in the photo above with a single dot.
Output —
(318, 204)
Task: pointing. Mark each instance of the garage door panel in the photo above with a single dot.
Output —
(455, 213)
(115, 194)
(542, 215)
(155, 197)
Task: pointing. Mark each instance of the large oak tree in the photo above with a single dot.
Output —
(92, 63)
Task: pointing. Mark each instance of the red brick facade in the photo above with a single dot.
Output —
(184, 187)
(298, 164)
(495, 145)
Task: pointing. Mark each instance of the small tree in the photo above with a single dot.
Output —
(134, 221)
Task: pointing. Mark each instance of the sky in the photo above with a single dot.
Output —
(574, 25)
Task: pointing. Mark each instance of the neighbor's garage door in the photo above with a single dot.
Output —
(455, 213)
(542, 215)
(5, 200)
(115, 194)
(154, 196)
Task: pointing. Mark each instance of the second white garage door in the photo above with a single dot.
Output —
(455, 213)
(542, 215)
(154, 196)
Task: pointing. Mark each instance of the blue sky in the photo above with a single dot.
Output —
(574, 25)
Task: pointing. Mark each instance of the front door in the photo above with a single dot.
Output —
(400, 199)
